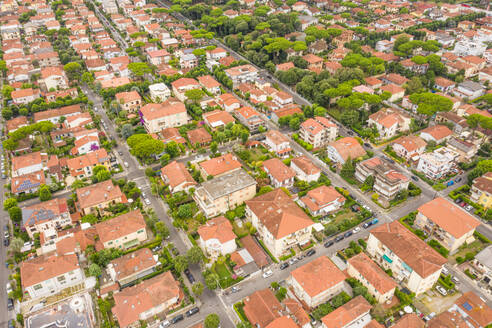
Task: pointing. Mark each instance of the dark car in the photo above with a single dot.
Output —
(329, 243)
(311, 252)
(458, 179)
(193, 311)
(458, 200)
(190, 277)
(414, 178)
(284, 266)
(350, 133)
(6, 242)
(177, 319)
(367, 225)
(10, 304)
(11, 323)
(355, 208)
(120, 153)
(367, 145)
(157, 248)
(339, 238)
(348, 234)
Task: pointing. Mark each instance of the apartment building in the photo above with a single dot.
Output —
(353, 314)
(45, 276)
(182, 85)
(280, 223)
(481, 190)
(318, 131)
(322, 200)
(129, 100)
(387, 180)
(409, 147)
(449, 224)
(436, 133)
(46, 217)
(278, 143)
(280, 174)
(250, 118)
(82, 166)
(242, 74)
(217, 237)
(94, 199)
(177, 177)
(219, 166)
(123, 232)
(27, 164)
(389, 122)
(413, 263)
(159, 92)
(437, 164)
(316, 282)
(133, 266)
(305, 169)
(223, 193)
(342, 149)
(157, 117)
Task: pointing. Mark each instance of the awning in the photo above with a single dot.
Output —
(387, 259)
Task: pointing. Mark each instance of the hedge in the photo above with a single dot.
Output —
(267, 251)
(157, 241)
(238, 307)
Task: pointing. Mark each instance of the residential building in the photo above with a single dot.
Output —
(28, 183)
(54, 115)
(469, 89)
(210, 84)
(353, 314)
(94, 199)
(473, 310)
(130, 267)
(46, 217)
(389, 122)
(280, 223)
(27, 164)
(437, 164)
(224, 193)
(85, 145)
(446, 222)
(318, 131)
(409, 147)
(322, 200)
(48, 275)
(177, 177)
(481, 190)
(388, 181)
(436, 133)
(54, 78)
(182, 85)
(277, 142)
(217, 238)
(250, 118)
(242, 74)
(219, 166)
(159, 92)
(369, 274)
(283, 322)
(82, 166)
(129, 100)
(410, 320)
(262, 307)
(395, 91)
(123, 232)
(25, 96)
(16, 123)
(342, 149)
(413, 263)
(316, 282)
(444, 85)
(305, 169)
(280, 174)
(199, 137)
(482, 265)
(157, 117)
(147, 299)
(217, 118)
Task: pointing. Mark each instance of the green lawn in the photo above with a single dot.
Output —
(222, 270)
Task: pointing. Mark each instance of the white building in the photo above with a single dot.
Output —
(217, 237)
(159, 92)
(437, 164)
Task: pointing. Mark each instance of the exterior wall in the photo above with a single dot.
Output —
(334, 156)
(402, 152)
(314, 301)
(54, 285)
(127, 241)
(303, 176)
(381, 298)
(215, 248)
(99, 207)
(170, 121)
(481, 197)
(62, 220)
(27, 170)
(225, 203)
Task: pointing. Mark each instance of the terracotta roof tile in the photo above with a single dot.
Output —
(374, 275)
(347, 313)
(218, 228)
(220, 165)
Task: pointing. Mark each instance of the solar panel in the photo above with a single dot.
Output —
(467, 306)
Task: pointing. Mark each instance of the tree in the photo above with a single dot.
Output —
(73, 70)
(185, 211)
(44, 193)
(8, 203)
(244, 136)
(180, 263)
(148, 148)
(414, 85)
(94, 270)
(474, 120)
(213, 147)
(126, 130)
(197, 288)
(78, 184)
(162, 229)
(194, 255)
(211, 280)
(15, 214)
(194, 95)
(369, 181)
(139, 69)
(430, 103)
(348, 169)
(89, 218)
(349, 117)
(7, 113)
(16, 244)
(211, 321)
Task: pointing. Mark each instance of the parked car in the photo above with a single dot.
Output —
(8, 288)
(126, 164)
(444, 271)
(177, 319)
(293, 260)
(120, 153)
(455, 280)
(164, 324)
(469, 208)
(329, 243)
(348, 234)
(458, 200)
(414, 178)
(235, 289)
(311, 252)
(156, 248)
(450, 183)
(284, 266)
(6, 242)
(462, 204)
(190, 277)
(11, 323)
(193, 311)
(356, 230)
(147, 202)
(458, 179)
(267, 274)
(374, 221)
(339, 238)
(367, 145)
(10, 304)
(441, 291)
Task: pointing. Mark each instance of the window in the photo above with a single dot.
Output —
(140, 231)
(61, 279)
(38, 287)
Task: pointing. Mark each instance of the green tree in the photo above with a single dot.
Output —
(431, 103)
(195, 95)
(139, 69)
(73, 70)
(100, 173)
(348, 169)
(15, 214)
(78, 184)
(147, 148)
(94, 270)
(9, 202)
(414, 85)
(180, 263)
(211, 321)
(16, 244)
(211, 280)
(126, 130)
(162, 229)
(44, 193)
(197, 288)
(349, 117)
(213, 147)
(194, 255)
(89, 218)
(7, 113)
(185, 211)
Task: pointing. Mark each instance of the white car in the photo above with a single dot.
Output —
(441, 291)
(356, 230)
(8, 287)
(126, 164)
(143, 194)
(147, 201)
(444, 271)
(165, 324)
(455, 280)
(267, 274)
(468, 208)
